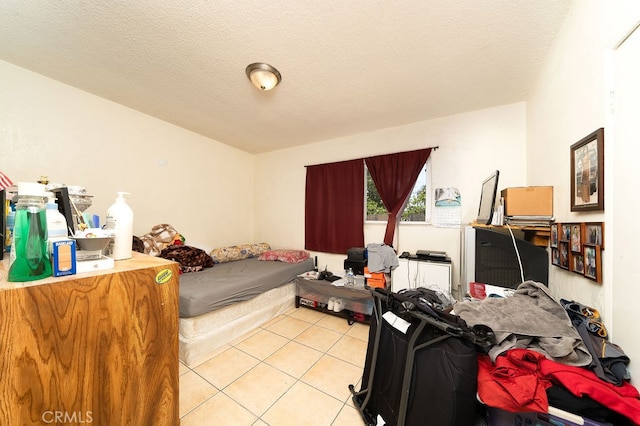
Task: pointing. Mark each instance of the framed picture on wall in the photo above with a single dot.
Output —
(555, 257)
(565, 231)
(553, 240)
(563, 247)
(576, 237)
(577, 247)
(577, 263)
(587, 172)
(594, 234)
(592, 263)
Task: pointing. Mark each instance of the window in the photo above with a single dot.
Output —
(417, 208)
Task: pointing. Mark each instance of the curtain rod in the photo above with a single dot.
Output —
(432, 148)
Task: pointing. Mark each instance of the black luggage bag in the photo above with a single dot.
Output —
(426, 375)
(356, 260)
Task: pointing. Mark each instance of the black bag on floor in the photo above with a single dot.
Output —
(421, 365)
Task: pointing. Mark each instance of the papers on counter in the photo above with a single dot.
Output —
(340, 283)
(310, 274)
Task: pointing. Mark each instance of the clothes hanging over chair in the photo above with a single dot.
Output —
(381, 258)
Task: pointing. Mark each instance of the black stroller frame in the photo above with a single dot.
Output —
(427, 316)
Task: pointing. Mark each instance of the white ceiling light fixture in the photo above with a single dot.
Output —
(263, 76)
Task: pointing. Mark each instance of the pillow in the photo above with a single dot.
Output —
(191, 259)
(243, 251)
(286, 256)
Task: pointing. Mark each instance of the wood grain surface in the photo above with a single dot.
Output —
(96, 349)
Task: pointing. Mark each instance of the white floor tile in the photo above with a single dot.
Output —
(294, 370)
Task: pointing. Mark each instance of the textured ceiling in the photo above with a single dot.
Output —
(347, 66)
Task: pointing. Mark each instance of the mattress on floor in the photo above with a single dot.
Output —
(228, 283)
(202, 336)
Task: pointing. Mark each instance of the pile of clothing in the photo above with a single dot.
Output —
(381, 258)
(165, 241)
(551, 352)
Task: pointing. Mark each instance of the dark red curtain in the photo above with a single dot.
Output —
(394, 176)
(334, 207)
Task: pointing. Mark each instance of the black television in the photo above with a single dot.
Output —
(488, 198)
(490, 257)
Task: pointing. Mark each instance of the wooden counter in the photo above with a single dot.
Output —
(537, 235)
(99, 347)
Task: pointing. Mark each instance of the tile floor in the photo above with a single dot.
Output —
(294, 370)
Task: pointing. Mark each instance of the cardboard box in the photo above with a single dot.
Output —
(63, 257)
(528, 201)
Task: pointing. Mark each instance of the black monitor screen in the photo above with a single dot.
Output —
(488, 198)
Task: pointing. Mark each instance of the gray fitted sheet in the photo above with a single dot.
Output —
(227, 283)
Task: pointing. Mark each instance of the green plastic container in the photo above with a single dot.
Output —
(30, 259)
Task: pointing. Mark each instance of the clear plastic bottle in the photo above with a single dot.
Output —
(57, 228)
(120, 221)
(351, 278)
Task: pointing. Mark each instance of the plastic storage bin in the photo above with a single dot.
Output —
(356, 299)
(498, 417)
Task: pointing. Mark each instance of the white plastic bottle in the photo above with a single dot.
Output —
(57, 228)
(120, 221)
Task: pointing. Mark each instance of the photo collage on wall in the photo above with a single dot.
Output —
(577, 247)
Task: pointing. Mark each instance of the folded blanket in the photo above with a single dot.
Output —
(191, 259)
(529, 319)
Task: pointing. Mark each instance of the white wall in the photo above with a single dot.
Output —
(566, 106)
(48, 128)
(471, 146)
(570, 101)
(622, 216)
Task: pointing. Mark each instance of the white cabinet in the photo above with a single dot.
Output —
(413, 273)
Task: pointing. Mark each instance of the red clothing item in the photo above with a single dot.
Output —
(512, 384)
(522, 376)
